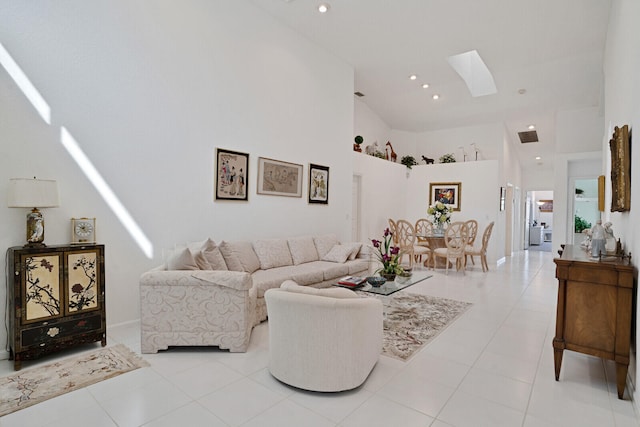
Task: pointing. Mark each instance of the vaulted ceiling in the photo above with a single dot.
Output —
(546, 56)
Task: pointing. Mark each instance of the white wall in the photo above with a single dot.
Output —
(384, 193)
(390, 190)
(578, 130)
(480, 196)
(149, 90)
(370, 126)
(622, 106)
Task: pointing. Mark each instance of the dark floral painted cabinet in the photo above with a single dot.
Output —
(57, 296)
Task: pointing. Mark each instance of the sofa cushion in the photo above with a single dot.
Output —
(338, 253)
(332, 270)
(302, 249)
(306, 274)
(271, 278)
(272, 253)
(181, 259)
(357, 265)
(213, 255)
(239, 256)
(291, 286)
(325, 243)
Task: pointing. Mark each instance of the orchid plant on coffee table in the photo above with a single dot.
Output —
(387, 254)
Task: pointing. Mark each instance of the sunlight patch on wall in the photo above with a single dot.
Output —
(25, 85)
(105, 191)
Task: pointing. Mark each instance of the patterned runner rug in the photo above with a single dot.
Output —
(412, 320)
(35, 385)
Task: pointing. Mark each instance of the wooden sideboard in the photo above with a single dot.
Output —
(595, 309)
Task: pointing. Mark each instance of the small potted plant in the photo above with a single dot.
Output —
(357, 141)
(448, 158)
(408, 161)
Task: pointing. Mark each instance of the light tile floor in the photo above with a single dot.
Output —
(492, 367)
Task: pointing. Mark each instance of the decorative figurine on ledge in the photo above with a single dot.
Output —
(598, 240)
(427, 160)
(610, 239)
(357, 141)
(389, 153)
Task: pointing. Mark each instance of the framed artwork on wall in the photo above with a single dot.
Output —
(318, 184)
(546, 206)
(232, 173)
(448, 193)
(278, 178)
(620, 170)
(601, 182)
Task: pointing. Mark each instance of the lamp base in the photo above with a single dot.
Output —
(35, 228)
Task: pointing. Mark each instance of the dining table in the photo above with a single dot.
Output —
(434, 241)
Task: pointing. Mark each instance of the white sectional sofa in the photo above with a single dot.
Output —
(212, 295)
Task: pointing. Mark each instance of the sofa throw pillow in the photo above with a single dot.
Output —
(335, 292)
(212, 253)
(201, 261)
(239, 256)
(355, 248)
(272, 253)
(339, 253)
(324, 244)
(181, 259)
(302, 250)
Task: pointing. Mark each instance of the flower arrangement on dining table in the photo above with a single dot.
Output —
(440, 214)
(387, 254)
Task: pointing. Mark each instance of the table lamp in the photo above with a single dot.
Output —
(33, 193)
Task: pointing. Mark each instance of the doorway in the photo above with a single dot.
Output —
(539, 220)
(585, 207)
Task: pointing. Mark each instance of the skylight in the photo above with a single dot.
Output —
(474, 72)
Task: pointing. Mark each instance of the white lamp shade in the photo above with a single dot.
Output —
(32, 193)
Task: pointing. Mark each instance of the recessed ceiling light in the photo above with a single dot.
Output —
(323, 7)
(532, 127)
(538, 157)
(436, 96)
(425, 86)
(413, 77)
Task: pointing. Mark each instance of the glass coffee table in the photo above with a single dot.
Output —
(390, 287)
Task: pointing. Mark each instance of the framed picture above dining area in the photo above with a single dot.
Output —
(448, 193)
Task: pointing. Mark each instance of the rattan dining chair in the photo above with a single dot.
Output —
(406, 233)
(472, 226)
(423, 227)
(455, 240)
(393, 229)
(480, 251)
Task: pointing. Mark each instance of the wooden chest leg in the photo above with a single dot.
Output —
(621, 378)
(557, 359)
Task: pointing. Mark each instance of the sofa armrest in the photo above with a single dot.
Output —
(230, 279)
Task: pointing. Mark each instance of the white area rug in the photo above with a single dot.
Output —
(35, 385)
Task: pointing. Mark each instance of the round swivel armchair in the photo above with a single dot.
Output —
(325, 340)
